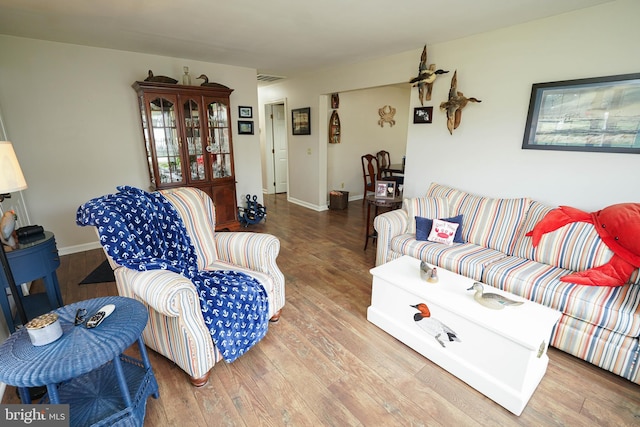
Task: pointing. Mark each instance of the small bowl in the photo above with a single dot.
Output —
(44, 329)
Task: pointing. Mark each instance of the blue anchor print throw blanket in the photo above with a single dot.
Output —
(143, 231)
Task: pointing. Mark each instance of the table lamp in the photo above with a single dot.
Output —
(11, 179)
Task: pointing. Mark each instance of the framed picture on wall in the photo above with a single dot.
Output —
(599, 114)
(245, 112)
(245, 127)
(301, 121)
(422, 115)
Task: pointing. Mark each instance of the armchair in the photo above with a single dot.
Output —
(177, 328)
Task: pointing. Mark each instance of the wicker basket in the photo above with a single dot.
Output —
(338, 200)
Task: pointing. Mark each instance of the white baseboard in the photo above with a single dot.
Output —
(79, 248)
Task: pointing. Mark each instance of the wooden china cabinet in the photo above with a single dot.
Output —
(187, 133)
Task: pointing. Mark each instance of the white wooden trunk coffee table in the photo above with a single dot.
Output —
(501, 353)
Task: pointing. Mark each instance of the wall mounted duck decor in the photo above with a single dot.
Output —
(426, 77)
(210, 84)
(453, 107)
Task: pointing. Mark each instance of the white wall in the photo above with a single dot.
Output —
(73, 118)
(484, 154)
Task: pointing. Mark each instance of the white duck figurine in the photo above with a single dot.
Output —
(7, 225)
(490, 299)
(433, 327)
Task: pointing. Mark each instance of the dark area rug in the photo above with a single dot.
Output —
(102, 274)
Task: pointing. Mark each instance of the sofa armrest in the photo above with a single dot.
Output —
(255, 251)
(176, 328)
(164, 291)
(388, 225)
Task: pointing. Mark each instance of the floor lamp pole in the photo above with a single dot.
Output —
(12, 285)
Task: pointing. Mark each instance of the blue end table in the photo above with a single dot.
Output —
(36, 257)
(85, 368)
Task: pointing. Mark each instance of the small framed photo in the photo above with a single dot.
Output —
(245, 112)
(385, 189)
(301, 121)
(422, 115)
(245, 127)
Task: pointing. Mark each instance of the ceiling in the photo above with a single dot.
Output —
(276, 37)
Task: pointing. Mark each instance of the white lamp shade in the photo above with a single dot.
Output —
(11, 178)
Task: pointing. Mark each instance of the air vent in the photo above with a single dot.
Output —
(268, 79)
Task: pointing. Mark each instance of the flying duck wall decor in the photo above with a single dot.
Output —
(426, 76)
(453, 107)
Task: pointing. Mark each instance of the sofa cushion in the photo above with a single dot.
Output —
(424, 225)
(427, 207)
(613, 308)
(466, 259)
(492, 223)
(198, 214)
(575, 246)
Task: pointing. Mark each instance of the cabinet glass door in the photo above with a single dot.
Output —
(219, 143)
(195, 150)
(164, 140)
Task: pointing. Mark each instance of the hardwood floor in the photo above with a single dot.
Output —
(323, 363)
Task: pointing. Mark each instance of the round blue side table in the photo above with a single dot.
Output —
(85, 368)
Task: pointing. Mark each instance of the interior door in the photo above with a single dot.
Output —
(280, 151)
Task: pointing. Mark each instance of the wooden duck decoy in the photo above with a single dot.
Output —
(490, 299)
(426, 77)
(210, 84)
(457, 101)
(160, 79)
(7, 226)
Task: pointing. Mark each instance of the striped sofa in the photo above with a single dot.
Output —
(599, 324)
(176, 328)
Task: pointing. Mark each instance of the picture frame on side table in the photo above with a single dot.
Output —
(301, 121)
(600, 114)
(385, 190)
(245, 112)
(245, 127)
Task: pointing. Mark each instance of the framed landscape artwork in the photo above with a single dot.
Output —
(301, 121)
(245, 112)
(245, 127)
(599, 114)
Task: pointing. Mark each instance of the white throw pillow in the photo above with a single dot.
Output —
(443, 232)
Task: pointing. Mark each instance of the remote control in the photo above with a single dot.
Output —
(100, 315)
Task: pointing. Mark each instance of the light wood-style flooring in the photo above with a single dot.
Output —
(324, 364)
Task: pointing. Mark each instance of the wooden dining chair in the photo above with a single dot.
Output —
(384, 161)
(370, 172)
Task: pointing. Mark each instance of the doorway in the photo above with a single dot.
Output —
(277, 150)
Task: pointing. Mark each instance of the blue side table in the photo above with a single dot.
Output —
(85, 368)
(35, 258)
